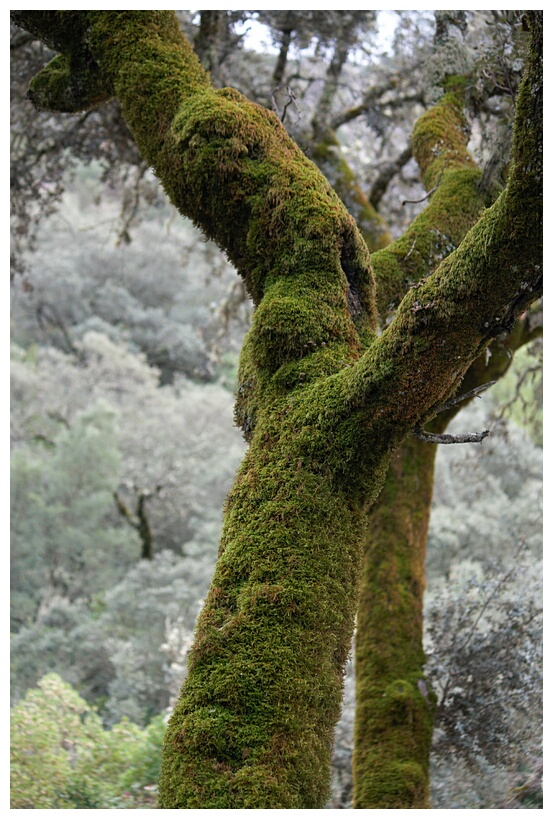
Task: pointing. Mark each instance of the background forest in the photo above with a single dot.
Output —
(126, 327)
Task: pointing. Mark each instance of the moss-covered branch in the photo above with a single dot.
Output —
(394, 706)
(392, 737)
(439, 146)
(253, 726)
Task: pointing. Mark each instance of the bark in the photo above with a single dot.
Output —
(394, 704)
(324, 401)
(386, 174)
(211, 32)
(286, 39)
(139, 521)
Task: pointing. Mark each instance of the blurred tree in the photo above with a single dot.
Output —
(63, 546)
(264, 348)
(111, 648)
(164, 447)
(108, 427)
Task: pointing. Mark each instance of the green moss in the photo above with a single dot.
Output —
(394, 707)
(270, 643)
(450, 175)
(62, 87)
(398, 785)
(440, 138)
(325, 404)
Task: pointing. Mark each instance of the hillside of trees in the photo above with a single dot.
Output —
(127, 326)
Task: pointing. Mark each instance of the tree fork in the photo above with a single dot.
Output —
(389, 652)
(253, 726)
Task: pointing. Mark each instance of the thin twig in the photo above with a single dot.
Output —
(412, 248)
(457, 400)
(444, 438)
(430, 192)
(290, 101)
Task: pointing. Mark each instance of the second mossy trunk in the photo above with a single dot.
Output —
(394, 706)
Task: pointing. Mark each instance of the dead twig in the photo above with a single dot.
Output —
(445, 438)
(430, 192)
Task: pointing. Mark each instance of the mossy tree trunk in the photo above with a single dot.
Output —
(323, 401)
(394, 705)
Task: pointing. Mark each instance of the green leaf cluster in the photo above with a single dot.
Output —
(62, 757)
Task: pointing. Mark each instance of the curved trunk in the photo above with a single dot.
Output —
(324, 402)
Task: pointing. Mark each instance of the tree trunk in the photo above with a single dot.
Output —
(324, 401)
(394, 705)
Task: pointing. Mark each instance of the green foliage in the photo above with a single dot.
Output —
(62, 757)
(126, 656)
(70, 545)
(64, 544)
(170, 317)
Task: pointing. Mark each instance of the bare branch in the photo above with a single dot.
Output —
(290, 101)
(444, 438)
(386, 175)
(430, 192)
(457, 400)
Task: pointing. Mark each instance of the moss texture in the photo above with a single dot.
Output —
(322, 400)
(439, 142)
(394, 706)
(389, 648)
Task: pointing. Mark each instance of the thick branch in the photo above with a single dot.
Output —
(439, 145)
(474, 296)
